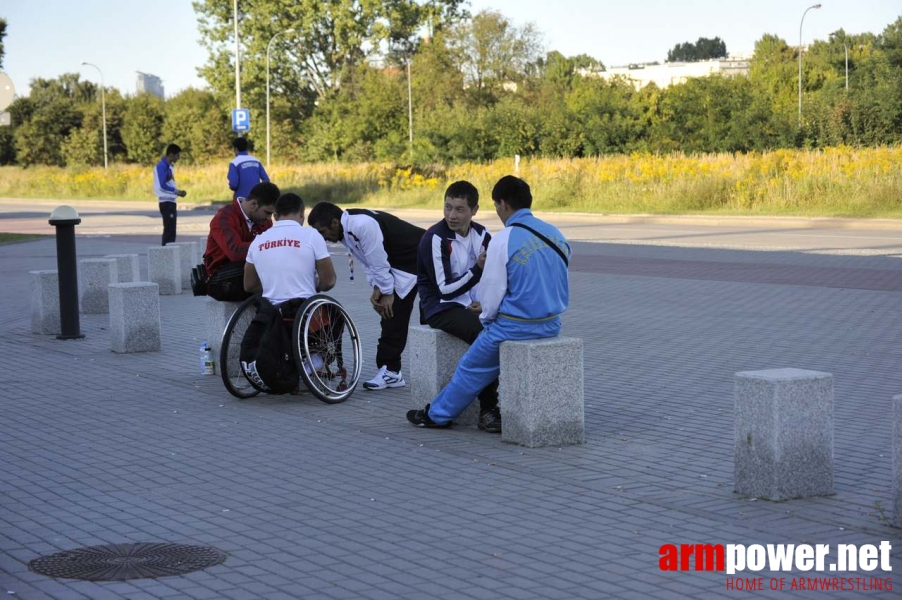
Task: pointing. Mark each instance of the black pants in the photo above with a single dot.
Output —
(464, 324)
(227, 283)
(394, 333)
(169, 210)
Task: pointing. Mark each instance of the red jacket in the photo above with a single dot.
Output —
(229, 237)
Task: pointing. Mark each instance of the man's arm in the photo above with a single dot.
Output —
(164, 177)
(252, 283)
(375, 261)
(325, 272)
(233, 177)
(493, 286)
(450, 286)
(224, 234)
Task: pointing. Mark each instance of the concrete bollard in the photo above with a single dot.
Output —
(134, 317)
(165, 269)
(188, 260)
(45, 302)
(783, 436)
(218, 315)
(541, 392)
(127, 269)
(432, 355)
(94, 277)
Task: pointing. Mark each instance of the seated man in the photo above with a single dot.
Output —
(449, 266)
(287, 264)
(524, 290)
(231, 232)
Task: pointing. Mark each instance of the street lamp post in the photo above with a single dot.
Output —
(846, 48)
(800, 59)
(103, 112)
(237, 59)
(409, 109)
(268, 48)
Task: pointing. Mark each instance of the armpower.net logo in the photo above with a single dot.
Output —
(742, 563)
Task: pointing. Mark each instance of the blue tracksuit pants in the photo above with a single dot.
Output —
(481, 364)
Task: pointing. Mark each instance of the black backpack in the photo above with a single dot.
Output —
(270, 362)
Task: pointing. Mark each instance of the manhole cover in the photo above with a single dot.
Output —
(118, 562)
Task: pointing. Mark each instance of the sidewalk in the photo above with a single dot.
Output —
(349, 501)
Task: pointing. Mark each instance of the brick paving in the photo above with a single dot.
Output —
(349, 501)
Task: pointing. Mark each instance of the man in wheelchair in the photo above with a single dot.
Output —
(287, 264)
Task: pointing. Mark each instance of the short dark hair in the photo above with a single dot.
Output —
(265, 193)
(465, 190)
(322, 214)
(173, 149)
(289, 204)
(240, 144)
(514, 191)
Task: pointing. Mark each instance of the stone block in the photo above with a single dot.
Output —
(134, 317)
(432, 356)
(897, 461)
(783, 434)
(127, 268)
(94, 277)
(541, 392)
(45, 302)
(218, 315)
(164, 267)
(188, 260)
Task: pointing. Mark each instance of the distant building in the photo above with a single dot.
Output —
(667, 74)
(150, 84)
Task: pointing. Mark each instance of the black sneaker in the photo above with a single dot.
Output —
(420, 418)
(490, 420)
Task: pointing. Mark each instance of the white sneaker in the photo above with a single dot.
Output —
(385, 379)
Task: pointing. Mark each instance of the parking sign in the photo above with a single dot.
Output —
(241, 119)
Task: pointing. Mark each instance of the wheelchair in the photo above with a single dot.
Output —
(325, 345)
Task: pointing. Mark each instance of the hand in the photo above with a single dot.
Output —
(475, 306)
(386, 302)
(480, 260)
(374, 301)
(182, 193)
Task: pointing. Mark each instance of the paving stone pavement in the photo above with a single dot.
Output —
(348, 501)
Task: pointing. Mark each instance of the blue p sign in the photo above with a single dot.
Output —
(241, 119)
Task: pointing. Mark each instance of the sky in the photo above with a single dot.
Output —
(46, 38)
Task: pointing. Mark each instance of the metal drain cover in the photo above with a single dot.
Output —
(118, 562)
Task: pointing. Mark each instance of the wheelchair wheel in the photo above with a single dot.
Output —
(327, 349)
(230, 350)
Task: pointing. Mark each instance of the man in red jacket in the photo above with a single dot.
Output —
(231, 232)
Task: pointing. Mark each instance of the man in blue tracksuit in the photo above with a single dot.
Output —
(245, 171)
(166, 192)
(523, 291)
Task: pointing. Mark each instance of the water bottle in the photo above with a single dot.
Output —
(206, 360)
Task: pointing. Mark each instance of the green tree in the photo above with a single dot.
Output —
(196, 121)
(142, 128)
(2, 35)
(83, 147)
(703, 49)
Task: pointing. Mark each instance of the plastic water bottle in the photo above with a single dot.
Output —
(206, 360)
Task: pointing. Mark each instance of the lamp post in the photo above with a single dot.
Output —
(268, 48)
(846, 48)
(409, 109)
(103, 112)
(237, 58)
(800, 59)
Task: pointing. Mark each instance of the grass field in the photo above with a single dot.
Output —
(6, 238)
(831, 182)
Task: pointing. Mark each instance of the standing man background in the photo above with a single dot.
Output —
(386, 246)
(232, 230)
(167, 193)
(245, 171)
(449, 268)
(524, 290)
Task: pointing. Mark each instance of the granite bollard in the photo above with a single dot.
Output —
(218, 315)
(188, 260)
(94, 277)
(127, 269)
(541, 392)
(134, 317)
(897, 461)
(45, 302)
(783, 435)
(165, 269)
(433, 357)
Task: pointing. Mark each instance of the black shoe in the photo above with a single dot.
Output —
(490, 420)
(420, 418)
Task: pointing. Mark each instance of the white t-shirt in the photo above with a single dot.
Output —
(285, 257)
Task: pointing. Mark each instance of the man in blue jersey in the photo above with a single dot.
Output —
(245, 171)
(166, 192)
(523, 292)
